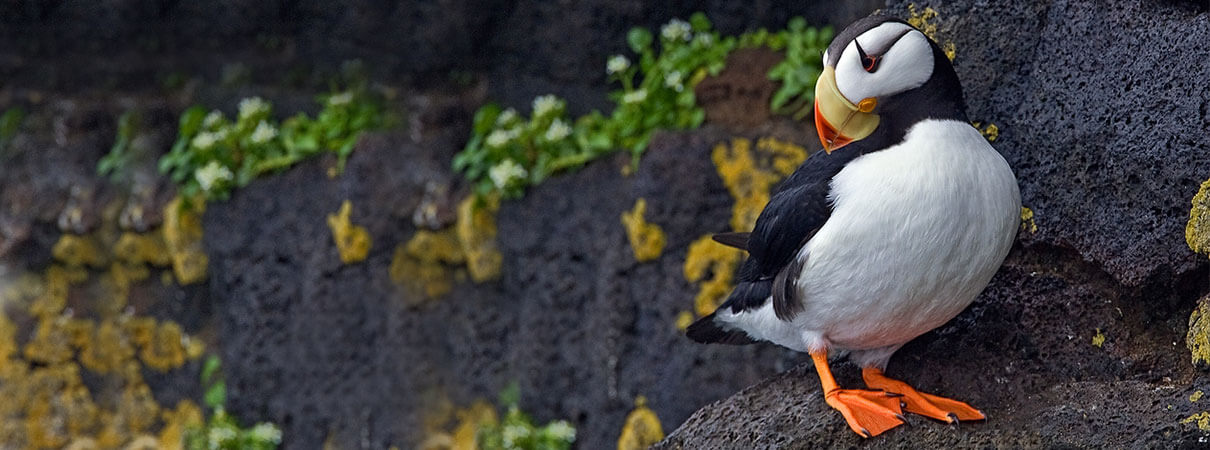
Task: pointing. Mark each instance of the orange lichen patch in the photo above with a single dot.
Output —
(646, 239)
(166, 349)
(923, 20)
(476, 230)
(1197, 231)
(186, 415)
(352, 241)
(142, 248)
(110, 347)
(183, 237)
(642, 428)
(707, 258)
(78, 251)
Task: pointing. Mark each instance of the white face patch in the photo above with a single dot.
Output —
(904, 62)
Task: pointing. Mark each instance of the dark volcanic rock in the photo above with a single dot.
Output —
(321, 348)
(1106, 132)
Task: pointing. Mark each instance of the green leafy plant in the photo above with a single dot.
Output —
(221, 430)
(507, 152)
(115, 163)
(517, 431)
(214, 153)
(10, 123)
(798, 71)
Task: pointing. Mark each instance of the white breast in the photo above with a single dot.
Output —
(916, 232)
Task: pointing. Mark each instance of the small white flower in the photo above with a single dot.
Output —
(562, 430)
(504, 173)
(220, 435)
(266, 432)
(498, 138)
(210, 174)
(506, 117)
(558, 130)
(263, 133)
(342, 98)
(249, 107)
(546, 104)
(212, 119)
(616, 64)
(674, 80)
(512, 433)
(205, 140)
(676, 30)
(635, 97)
(704, 39)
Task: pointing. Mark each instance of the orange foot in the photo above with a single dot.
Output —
(917, 402)
(869, 413)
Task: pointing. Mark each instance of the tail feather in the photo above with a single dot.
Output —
(708, 331)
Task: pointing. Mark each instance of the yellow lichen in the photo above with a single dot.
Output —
(53, 297)
(1197, 231)
(476, 229)
(1098, 339)
(683, 320)
(166, 350)
(1201, 419)
(646, 239)
(1195, 396)
(352, 241)
(642, 428)
(715, 263)
(748, 185)
(142, 248)
(51, 343)
(137, 409)
(923, 21)
(470, 420)
(427, 262)
(991, 132)
(1198, 337)
(108, 349)
(77, 251)
(1027, 220)
(185, 416)
(183, 237)
(749, 174)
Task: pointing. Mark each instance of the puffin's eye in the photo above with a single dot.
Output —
(869, 63)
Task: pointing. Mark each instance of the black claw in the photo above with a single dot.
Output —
(866, 433)
(900, 417)
(953, 418)
(892, 394)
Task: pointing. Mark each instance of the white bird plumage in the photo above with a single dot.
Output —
(917, 231)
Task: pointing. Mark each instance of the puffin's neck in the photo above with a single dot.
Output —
(938, 98)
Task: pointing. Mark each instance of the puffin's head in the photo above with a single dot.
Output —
(877, 68)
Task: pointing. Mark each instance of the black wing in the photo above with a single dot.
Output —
(795, 212)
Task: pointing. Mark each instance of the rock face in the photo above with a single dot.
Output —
(1077, 341)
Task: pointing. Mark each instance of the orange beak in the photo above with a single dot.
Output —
(837, 120)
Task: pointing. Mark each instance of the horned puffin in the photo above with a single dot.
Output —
(889, 234)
